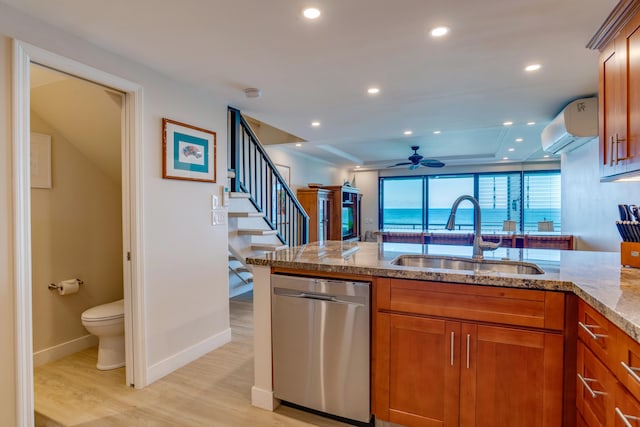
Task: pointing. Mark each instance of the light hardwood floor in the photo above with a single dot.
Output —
(214, 390)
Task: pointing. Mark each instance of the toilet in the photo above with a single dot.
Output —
(106, 321)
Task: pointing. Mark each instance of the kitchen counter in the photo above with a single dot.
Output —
(595, 277)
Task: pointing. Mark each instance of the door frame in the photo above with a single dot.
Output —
(24, 55)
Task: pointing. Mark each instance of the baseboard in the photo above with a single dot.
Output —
(186, 356)
(263, 399)
(61, 350)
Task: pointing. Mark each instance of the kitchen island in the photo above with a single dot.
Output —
(595, 277)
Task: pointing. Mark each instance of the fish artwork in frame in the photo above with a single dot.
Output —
(189, 152)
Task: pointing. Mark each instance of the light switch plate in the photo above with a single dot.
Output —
(218, 217)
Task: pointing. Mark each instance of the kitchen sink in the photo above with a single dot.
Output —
(460, 263)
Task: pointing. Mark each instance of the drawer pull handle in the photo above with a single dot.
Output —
(468, 345)
(590, 332)
(625, 418)
(585, 383)
(453, 335)
(631, 371)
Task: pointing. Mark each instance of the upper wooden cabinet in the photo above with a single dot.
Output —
(619, 101)
(317, 203)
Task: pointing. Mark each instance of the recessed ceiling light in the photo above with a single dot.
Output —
(531, 123)
(512, 149)
(519, 139)
(373, 90)
(357, 166)
(311, 13)
(533, 67)
(408, 132)
(298, 145)
(439, 31)
(505, 158)
(507, 123)
(315, 124)
(546, 156)
(436, 132)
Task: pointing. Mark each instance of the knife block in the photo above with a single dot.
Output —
(630, 254)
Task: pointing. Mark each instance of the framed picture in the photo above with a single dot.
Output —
(40, 156)
(189, 152)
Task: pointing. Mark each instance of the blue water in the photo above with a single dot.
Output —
(408, 219)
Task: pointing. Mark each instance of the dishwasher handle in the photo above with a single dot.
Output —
(312, 296)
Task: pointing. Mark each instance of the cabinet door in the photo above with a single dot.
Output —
(629, 149)
(626, 409)
(417, 370)
(510, 377)
(595, 388)
(612, 109)
(324, 213)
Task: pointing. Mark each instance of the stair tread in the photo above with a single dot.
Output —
(268, 247)
(246, 214)
(257, 231)
(239, 195)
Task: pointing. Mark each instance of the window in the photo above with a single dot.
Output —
(443, 191)
(541, 201)
(530, 199)
(401, 203)
(499, 198)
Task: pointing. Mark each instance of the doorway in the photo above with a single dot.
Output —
(76, 207)
(24, 55)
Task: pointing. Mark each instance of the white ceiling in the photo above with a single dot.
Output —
(465, 84)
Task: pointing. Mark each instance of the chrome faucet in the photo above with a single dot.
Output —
(479, 246)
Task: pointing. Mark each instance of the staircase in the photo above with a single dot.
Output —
(264, 214)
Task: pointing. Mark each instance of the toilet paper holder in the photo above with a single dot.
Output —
(54, 286)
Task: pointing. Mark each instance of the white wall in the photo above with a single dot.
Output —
(589, 207)
(367, 182)
(185, 258)
(306, 169)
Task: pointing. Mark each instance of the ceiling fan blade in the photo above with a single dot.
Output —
(414, 166)
(431, 163)
(400, 164)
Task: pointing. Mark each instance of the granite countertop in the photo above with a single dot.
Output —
(595, 277)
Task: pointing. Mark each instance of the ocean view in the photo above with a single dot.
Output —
(411, 219)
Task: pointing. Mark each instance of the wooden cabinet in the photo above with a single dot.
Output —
(317, 203)
(608, 381)
(448, 354)
(345, 213)
(619, 101)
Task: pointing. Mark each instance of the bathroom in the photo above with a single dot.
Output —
(76, 211)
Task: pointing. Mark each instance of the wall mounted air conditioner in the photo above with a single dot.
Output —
(576, 124)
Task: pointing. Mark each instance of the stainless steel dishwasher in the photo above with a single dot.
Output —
(320, 333)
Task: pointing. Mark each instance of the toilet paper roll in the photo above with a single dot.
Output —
(67, 287)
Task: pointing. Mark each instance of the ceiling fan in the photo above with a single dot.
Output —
(416, 160)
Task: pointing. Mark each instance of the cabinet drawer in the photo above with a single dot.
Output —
(596, 332)
(626, 364)
(626, 411)
(519, 307)
(595, 388)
